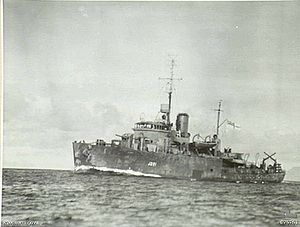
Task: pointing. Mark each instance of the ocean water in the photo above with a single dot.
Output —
(62, 198)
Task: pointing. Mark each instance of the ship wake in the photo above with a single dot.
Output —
(86, 169)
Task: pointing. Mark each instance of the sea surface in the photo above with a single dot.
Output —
(63, 198)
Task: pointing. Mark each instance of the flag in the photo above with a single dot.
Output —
(233, 124)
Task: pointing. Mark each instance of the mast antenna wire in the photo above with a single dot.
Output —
(170, 82)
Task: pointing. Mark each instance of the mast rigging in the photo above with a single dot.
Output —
(170, 90)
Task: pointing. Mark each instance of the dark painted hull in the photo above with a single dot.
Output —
(166, 165)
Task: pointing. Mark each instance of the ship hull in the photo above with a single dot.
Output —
(158, 164)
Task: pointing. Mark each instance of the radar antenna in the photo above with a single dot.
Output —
(170, 88)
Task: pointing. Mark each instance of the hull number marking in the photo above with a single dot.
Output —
(153, 164)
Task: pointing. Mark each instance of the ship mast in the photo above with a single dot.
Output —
(218, 119)
(170, 89)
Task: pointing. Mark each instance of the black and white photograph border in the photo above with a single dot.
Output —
(150, 113)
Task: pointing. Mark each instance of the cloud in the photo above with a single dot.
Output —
(50, 122)
(71, 77)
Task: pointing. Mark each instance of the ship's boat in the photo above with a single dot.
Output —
(160, 149)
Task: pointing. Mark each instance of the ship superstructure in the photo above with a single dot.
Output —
(159, 148)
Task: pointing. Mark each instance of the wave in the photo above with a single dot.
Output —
(84, 168)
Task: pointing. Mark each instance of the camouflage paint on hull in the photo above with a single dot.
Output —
(192, 167)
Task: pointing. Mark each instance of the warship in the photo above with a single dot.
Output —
(160, 149)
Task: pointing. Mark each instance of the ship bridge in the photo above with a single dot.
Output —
(152, 134)
(150, 126)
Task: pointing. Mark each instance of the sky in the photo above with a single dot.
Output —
(89, 70)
